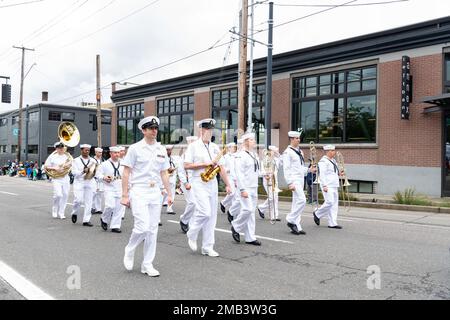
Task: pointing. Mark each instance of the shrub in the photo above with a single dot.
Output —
(410, 197)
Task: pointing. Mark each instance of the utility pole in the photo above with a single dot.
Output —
(22, 78)
(268, 108)
(99, 102)
(250, 83)
(242, 67)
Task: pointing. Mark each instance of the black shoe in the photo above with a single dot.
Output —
(87, 224)
(160, 224)
(74, 218)
(103, 224)
(172, 213)
(116, 230)
(316, 220)
(277, 219)
(184, 227)
(164, 205)
(336, 227)
(230, 217)
(255, 243)
(222, 208)
(261, 214)
(93, 211)
(301, 232)
(98, 212)
(235, 235)
(123, 218)
(293, 228)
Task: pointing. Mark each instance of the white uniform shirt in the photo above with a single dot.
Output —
(183, 175)
(229, 160)
(328, 172)
(107, 169)
(78, 167)
(146, 162)
(247, 170)
(294, 166)
(199, 152)
(56, 160)
(174, 162)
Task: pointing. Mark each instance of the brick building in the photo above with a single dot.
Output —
(347, 92)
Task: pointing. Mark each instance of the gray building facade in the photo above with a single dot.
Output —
(40, 125)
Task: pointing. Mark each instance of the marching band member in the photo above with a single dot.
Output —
(294, 173)
(145, 163)
(247, 173)
(229, 165)
(200, 155)
(174, 162)
(98, 193)
(271, 202)
(83, 188)
(236, 201)
(329, 183)
(122, 153)
(185, 177)
(61, 186)
(110, 172)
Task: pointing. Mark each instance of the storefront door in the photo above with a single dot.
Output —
(446, 160)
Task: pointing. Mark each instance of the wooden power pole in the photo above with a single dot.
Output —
(99, 108)
(242, 87)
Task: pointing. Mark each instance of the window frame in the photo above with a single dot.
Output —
(171, 108)
(133, 112)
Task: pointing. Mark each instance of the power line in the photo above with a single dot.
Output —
(332, 5)
(20, 4)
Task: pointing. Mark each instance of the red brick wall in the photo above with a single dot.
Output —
(202, 106)
(281, 109)
(149, 108)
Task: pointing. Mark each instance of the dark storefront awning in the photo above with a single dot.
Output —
(439, 103)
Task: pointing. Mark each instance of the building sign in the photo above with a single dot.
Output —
(406, 87)
(6, 93)
(16, 132)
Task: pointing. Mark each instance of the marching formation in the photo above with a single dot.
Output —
(144, 179)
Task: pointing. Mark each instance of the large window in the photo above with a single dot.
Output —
(177, 119)
(33, 149)
(447, 73)
(225, 111)
(127, 124)
(15, 120)
(3, 149)
(338, 107)
(106, 119)
(14, 149)
(33, 116)
(3, 122)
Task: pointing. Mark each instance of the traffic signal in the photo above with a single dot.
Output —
(94, 122)
(6, 93)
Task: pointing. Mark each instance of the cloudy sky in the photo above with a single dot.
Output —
(142, 36)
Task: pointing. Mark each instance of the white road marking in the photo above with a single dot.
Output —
(24, 286)
(9, 193)
(228, 231)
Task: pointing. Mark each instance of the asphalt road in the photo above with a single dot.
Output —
(410, 250)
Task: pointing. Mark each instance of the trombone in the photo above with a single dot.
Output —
(316, 182)
(344, 181)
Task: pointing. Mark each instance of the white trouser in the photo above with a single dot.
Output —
(228, 200)
(271, 202)
(98, 197)
(83, 192)
(61, 188)
(172, 189)
(190, 205)
(330, 207)
(205, 214)
(112, 213)
(236, 204)
(245, 221)
(146, 207)
(298, 205)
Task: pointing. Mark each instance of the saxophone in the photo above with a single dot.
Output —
(211, 171)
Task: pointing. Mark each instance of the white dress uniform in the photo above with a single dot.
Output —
(146, 163)
(247, 173)
(229, 165)
(61, 186)
(185, 176)
(113, 193)
(236, 201)
(175, 163)
(271, 202)
(329, 177)
(97, 201)
(205, 194)
(83, 189)
(294, 173)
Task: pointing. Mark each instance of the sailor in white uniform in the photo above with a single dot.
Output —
(200, 155)
(185, 177)
(270, 206)
(175, 163)
(98, 193)
(225, 204)
(294, 173)
(61, 186)
(145, 163)
(236, 202)
(122, 153)
(83, 189)
(329, 183)
(247, 175)
(110, 172)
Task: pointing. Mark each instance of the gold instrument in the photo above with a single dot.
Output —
(344, 181)
(113, 178)
(316, 182)
(68, 135)
(211, 171)
(92, 171)
(268, 164)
